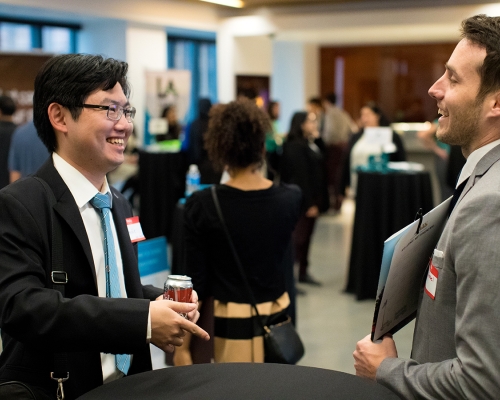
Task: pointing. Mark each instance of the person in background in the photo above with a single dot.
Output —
(174, 127)
(370, 116)
(197, 154)
(247, 93)
(107, 318)
(337, 130)
(456, 342)
(27, 152)
(273, 142)
(441, 154)
(315, 105)
(303, 165)
(7, 127)
(260, 217)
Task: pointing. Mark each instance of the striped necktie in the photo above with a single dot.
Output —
(102, 203)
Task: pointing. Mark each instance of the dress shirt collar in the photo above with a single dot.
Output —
(79, 186)
(473, 159)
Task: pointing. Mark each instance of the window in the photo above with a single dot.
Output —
(15, 37)
(26, 36)
(196, 52)
(57, 40)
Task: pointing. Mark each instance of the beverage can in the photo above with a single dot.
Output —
(178, 288)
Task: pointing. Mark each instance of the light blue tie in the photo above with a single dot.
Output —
(102, 203)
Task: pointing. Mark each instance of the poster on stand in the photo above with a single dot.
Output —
(165, 89)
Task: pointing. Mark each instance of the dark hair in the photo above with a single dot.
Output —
(316, 101)
(7, 105)
(165, 111)
(236, 134)
(484, 31)
(204, 106)
(382, 119)
(68, 80)
(296, 131)
(331, 98)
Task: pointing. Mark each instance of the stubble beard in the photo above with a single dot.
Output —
(463, 127)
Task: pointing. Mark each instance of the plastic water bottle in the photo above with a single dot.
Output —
(192, 180)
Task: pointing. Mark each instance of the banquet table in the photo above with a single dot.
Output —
(385, 203)
(242, 381)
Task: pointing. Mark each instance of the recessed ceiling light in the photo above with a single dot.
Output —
(229, 3)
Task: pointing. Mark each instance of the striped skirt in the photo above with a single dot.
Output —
(238, 337)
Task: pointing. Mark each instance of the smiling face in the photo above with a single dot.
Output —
(94, 144)
(456, 92)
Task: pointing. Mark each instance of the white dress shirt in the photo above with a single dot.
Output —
(83, 191)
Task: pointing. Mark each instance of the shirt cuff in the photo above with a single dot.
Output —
(148, 334)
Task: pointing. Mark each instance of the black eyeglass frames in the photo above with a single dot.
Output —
(114, 111)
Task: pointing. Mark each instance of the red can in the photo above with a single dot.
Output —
(178, 288)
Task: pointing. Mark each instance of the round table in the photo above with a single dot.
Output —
(385, 203)
(243, 382)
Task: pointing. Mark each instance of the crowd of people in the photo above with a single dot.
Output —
(271, 198)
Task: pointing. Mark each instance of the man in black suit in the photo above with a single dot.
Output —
(83, 116)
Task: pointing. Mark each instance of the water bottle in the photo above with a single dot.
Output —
(192, 180)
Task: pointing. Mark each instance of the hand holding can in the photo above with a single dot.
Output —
(178, 288)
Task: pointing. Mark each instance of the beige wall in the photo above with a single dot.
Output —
(253, 55)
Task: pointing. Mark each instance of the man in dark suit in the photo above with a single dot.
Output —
(83, 116)
(456, 343)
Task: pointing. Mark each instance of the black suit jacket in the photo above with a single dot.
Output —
(35, 320)
(305, 168)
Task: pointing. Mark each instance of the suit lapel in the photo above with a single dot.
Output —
(482, 167)
(66, 207)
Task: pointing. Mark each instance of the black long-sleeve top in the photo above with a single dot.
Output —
(260, 223)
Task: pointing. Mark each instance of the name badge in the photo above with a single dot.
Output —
(134, 229)
(431, 282)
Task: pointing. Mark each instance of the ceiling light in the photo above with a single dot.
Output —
(229, 3)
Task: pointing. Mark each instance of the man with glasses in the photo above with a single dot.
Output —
(107, 319)
(456, 342)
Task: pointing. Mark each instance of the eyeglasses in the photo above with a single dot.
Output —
(114, 111)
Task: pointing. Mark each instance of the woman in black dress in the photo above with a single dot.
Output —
(260, 217)
(303, 165)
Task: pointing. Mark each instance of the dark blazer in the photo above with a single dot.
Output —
(35, 320)
(304, 167)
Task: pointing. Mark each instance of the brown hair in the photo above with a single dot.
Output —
(236, 134)
(484, 31)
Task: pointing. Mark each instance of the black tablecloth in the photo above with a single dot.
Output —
(242, 382)
(162, 182)
(385, 203)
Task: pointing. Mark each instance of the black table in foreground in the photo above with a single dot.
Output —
(242, 382)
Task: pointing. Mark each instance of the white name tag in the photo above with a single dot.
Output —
(431, 282)
(134, 229)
